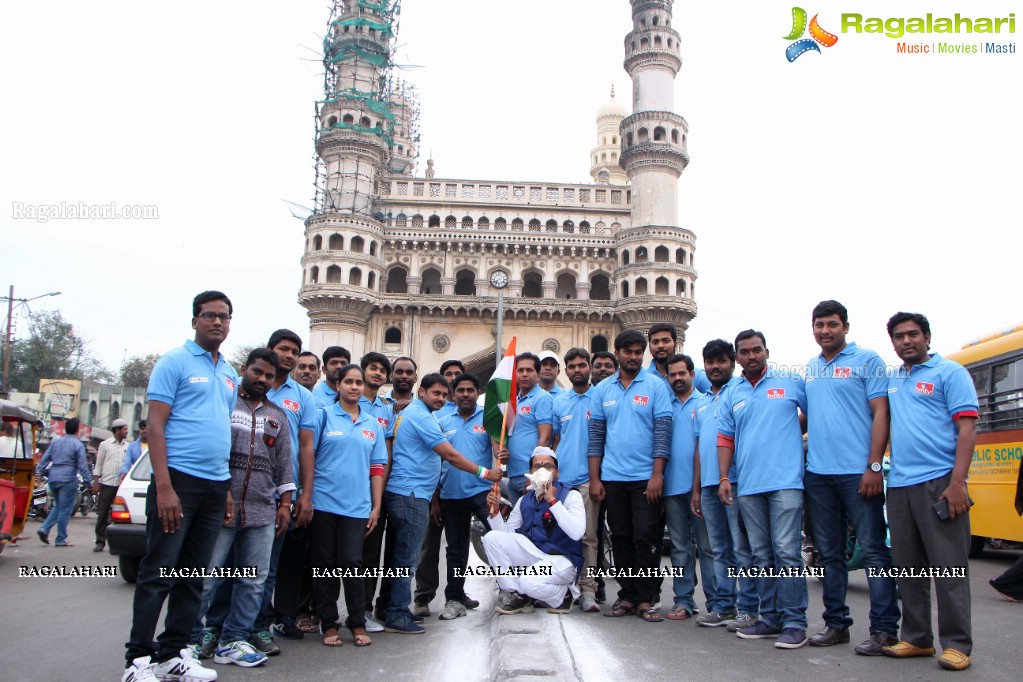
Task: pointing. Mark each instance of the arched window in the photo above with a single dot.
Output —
(641, 255)
(373, 248)
(534, 225)
(584, 227)
(115, 410)
(641, 286)
(392, 336)
(642, 135)
(661, 254)
(517, 225)
(680, 287)
(674, 136)
(365, 122)
(532, 285)
(314, 275)
(466, 223)
(431, 282)
(355, 277)
(625, 289)
(93, 409)
(336, 243)
(417, 221)
(656, 19)
(434, 220)
(661, 286)
(568, 226)
(400, 220)
(500, 224)
(680, 256)
(397, 280)
(483, 223)
(659, 134)
(450, 222)
(598, 343)
(566, 286)
(371, 280)
(332, 121)
(628, 139)
(348, 119)
(625, 257)
(552, 225)
(465, 283)
(657, 41)
(317, 243)
(358, 244)
(137, 414)
(333, 275)
(600, 289)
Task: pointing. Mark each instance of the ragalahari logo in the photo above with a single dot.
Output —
(817, 35)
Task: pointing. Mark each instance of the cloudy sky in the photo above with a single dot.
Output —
(880, 179)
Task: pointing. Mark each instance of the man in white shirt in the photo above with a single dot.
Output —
(109, 459)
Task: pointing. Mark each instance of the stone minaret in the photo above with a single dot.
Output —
(604, 168)
(362, 130)
(655, 272)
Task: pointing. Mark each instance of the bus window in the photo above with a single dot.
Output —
(1007, 394)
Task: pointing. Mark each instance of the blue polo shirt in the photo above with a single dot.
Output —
(764, 421)
(300, 406)
(678, 472)
(534, 408)
(629, 414)
(415, 467)
(448, 408)
(572, 413)
(470, 438)
(924, 402)
(382, 410)
(324, 395)
(201, 396)
(838, 394)
(707, 430)
(554, 393)
(344, 452)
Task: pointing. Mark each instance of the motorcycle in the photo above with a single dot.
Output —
(42, 503)
(87, 500)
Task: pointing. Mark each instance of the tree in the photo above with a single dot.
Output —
(241, 354)
(53, 350)
(136, 370)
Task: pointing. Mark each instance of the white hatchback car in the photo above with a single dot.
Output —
(126, 534)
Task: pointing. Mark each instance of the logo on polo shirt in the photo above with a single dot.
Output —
(640, 400)
(198, 380)
(292, 405)
(368, 434)
(738, 406)
(775, 393)
(334, 434)
(842, 373)
(924, 388)
(892, 389)
(566, 418)
(479, 428)
(384, 421)
(524, 409)
(610, 403)
(230, 384)
(587, 415)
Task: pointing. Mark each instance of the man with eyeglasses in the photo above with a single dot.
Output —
(192, 393)
(538, 552)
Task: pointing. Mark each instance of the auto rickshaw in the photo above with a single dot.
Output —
(17, 468)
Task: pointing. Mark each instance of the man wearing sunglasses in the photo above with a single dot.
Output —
(538, 552)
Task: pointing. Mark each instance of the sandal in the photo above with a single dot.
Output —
(360, 637)
(305, 623)
(679, 612)
(619, 609)
(332, 638)
(651, 614)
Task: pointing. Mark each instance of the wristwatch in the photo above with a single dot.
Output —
(875, 467)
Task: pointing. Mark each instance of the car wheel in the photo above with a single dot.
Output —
(128, 566)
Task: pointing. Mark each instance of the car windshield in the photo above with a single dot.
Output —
(142, 471)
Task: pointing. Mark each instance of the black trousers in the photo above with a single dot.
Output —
(457, 517)
(336, 543)
(637, 538)
(104, 500)
(294, 589)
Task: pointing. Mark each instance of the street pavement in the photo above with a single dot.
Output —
(59, 628)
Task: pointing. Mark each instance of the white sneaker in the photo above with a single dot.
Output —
(240, 653)
(373, 625)
(452, 609)
(140, 670)
(588, 604)
(183, 668)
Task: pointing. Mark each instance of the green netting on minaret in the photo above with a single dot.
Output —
(368, 100)
(384, 29)
(385, 136)
(352, 52)
(375, 6)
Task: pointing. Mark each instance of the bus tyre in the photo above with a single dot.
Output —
(976, 546)
(128, 566)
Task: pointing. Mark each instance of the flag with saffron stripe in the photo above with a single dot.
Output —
(499, 403)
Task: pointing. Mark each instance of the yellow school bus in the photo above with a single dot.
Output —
(995, 362)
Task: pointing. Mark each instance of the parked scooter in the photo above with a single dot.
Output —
(42, 503)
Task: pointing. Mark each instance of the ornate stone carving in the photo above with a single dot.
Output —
(552, 345)
(441, 343)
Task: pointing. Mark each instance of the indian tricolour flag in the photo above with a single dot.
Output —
(500, 403)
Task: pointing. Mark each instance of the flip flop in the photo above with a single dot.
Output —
(679, 613)
(333, 635)
(360, 637)
(618, 610)
(305, 623)
(650, 615)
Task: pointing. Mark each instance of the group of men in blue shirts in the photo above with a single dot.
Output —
(719, 457)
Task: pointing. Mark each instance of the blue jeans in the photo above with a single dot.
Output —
(266, 607)
(832, 501)
(252, 548)
(774, 523)
(731, 550)
(65, 495)
(408, 515)
(682, 527)
(515, 487)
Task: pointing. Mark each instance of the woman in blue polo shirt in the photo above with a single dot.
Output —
(348, 483)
